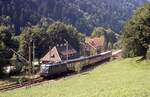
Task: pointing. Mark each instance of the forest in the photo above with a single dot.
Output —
(50, 22)
(83, 14)
(75, 48)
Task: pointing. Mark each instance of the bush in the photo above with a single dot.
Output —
(148, 55)
(78, 67)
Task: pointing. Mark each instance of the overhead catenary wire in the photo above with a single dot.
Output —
(19, 55)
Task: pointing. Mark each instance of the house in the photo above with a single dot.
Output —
(94, 45)
(60, 53)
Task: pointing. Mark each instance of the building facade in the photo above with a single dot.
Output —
(60, 53)
(94, 45)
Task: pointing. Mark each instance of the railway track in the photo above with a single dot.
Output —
(14, 86)
(38, 80)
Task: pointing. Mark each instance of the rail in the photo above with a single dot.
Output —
(14, 86)
(23, 84)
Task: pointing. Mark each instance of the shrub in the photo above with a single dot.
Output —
(148, 55)
(78, 67)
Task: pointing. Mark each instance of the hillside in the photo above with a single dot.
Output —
(123, 78)
(83, 14)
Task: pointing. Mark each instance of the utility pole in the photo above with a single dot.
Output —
(33, 50)
(33, 55)
(24, 59)
(30, 60)
(83, 45)
(49, 53)
(67, 48)
(50, 44)
(84, 49)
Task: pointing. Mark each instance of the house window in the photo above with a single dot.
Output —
(53, 56)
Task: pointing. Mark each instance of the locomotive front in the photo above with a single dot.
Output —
(44, 70)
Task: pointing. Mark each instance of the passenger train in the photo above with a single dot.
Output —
(47, 70)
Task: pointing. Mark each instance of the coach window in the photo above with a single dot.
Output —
(52, 67)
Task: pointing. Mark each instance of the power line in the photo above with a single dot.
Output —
(19, 55)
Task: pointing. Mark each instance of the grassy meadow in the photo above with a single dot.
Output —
(120, 78)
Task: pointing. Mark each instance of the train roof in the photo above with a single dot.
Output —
(106, 52)
(76, 59)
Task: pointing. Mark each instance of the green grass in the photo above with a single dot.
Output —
(124, 78)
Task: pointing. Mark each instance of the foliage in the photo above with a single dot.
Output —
(83, 14)
(123, 78)
(28, 34)
(148, 55)
(52, 35)
(6, 41)
(78, 68)
(98, 32)
(110, 36)
(136, 36)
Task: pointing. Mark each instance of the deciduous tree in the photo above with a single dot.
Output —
(136, 36)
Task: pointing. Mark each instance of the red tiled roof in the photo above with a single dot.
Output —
(95, 42)
(60, 51)
(69, 52)
(63, 50)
